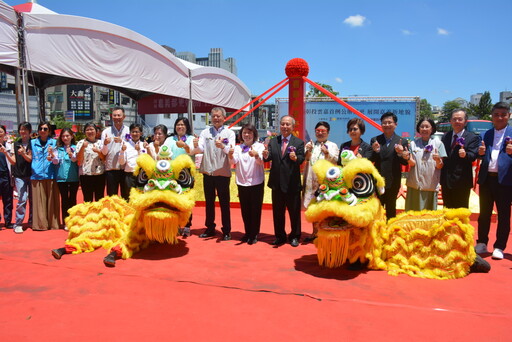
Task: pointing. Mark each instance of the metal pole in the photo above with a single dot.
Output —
(25, 92)
(19, 99)
(190, 104)
(42, 107)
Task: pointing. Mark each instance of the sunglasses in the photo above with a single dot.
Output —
(44, 129)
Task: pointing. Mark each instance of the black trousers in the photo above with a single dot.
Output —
(280, 202)
(388, 200)
(455, 198)
(93, 187)
(251, 201)
(115, 182)
(130, 181)
(491, 192)
(217, 186)
(68, 191)
(6, 193)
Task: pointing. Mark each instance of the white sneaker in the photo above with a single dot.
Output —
(497, 254)
(18, 229)
(481, 248)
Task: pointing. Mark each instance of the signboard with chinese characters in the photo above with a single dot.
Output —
(337, 116)
(70, 116)
(3, 80)
(161, 104)
(114, 98)
(80, 99)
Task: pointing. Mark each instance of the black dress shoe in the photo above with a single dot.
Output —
(294, 242)
(226, 237)
(278, 242)
(58, 253)
(244, 238)
(207, 234)
(9, 226)
(252, 241)
(110, 259)
(480, 265)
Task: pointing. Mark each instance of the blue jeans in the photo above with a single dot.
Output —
(24, 192)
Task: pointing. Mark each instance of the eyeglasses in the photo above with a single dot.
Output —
(44, 129)
(387, 123)
(321, 131)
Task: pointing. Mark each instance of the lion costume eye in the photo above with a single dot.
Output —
(142, 178)
(363, 185)
(333, 174)
(163, 165)
(185, 179)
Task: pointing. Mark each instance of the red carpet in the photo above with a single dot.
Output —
(228, 291)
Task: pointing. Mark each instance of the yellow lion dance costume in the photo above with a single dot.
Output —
(153, 213)
(353, 229)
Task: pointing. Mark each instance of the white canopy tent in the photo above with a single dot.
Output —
(60, 49)
(8, 36)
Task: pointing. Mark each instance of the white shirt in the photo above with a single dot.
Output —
(496, 145)
(249, 170)
(92, 165)
(129, 157)
(112, 149)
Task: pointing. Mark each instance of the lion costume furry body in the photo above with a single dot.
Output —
(154, 212)
(353, 228)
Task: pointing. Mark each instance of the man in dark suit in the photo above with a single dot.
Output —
(495, 180)
(457, 174)
(286, 153)
(387, 156)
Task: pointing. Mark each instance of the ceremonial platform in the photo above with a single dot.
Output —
(212, 290)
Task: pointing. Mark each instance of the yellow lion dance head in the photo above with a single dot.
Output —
(345, 209)
(164, 200)
(161, 203)
(352, 227)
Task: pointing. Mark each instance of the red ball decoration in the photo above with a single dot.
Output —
(297, 67)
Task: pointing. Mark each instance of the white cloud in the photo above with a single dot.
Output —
(355, 20)
(339, 80)
(442, 31)
(406, 32)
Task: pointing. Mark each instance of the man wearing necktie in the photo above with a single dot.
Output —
(286, 153)
(457, 174)
(495, 181)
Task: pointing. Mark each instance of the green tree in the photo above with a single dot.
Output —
(425, 109)
(483, 109)
(313, 92)
(60, 122)
(448, 107)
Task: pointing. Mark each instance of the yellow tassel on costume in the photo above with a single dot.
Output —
(161, 226)
(333, 247)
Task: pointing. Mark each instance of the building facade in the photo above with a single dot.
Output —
(215, 59)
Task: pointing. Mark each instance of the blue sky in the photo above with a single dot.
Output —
(438, 50)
